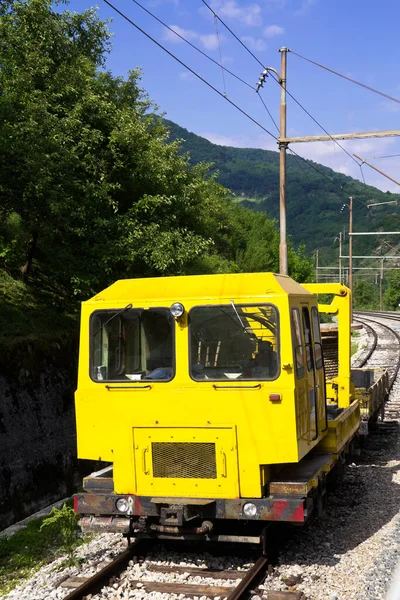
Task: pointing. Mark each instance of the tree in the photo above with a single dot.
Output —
(391, 297)
(366, 295)
(88, 176)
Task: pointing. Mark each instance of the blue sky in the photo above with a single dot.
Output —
(356, 37)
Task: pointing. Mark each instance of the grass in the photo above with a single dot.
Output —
(31, 311)
(354, 343)
(30, 548)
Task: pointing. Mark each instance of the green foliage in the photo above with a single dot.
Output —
(63, 525)
(365, 295)
(25, 552)
(391, 297)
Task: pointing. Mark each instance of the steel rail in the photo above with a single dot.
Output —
(250, 581)
(94, 584)
(373, 345)
(394, 332)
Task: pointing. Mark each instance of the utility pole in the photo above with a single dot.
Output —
(283, 258)
(380, 286)
(316, 266)
(351, 251)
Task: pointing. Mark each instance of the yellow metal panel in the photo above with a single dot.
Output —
(167, 460)
(341, 430)
(341, 307)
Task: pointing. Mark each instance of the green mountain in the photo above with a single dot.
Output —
(313, 202)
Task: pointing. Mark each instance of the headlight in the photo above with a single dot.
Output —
(250, 509)
(122, 505)
(177, 309)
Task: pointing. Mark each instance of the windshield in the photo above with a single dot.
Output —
(234, 342)
(132, 345)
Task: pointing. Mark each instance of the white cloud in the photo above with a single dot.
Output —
(186, 76)
(169, 36)
(273, 30)
(390, 106)
(305, 6)
(330, 155)
(209, 41)
(241, 141)
(248, 15)
(255, 44)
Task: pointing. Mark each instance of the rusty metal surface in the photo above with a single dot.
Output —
(95, 583)
(289, 508)
(204, 528)
(300, 478)
(105, 524)
(252, 578)
(211, 573)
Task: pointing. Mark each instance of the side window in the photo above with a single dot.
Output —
(317, 338)
(297, 343)
(308, 338)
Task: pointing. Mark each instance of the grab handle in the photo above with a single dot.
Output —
(144, 466)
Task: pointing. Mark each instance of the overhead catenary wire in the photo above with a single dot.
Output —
(220, 53)
(315, 120)
(218, 92)
(268, 111)
(179, 35)
(233, 33)
(189, 69)
(367, 87)
(274, 77)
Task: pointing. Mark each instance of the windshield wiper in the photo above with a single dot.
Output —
(127, 307)
(246, 329)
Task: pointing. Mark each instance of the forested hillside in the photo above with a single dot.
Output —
(313, 203)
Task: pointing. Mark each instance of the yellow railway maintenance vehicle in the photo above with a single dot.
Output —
(208, 396)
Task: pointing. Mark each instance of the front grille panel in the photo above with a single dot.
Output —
(184, 460)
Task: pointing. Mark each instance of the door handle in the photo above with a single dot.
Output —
(144, 466)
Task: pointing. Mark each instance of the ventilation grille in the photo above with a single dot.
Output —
(184, 460)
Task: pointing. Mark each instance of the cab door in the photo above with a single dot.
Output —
(312, 389)
(319, 369)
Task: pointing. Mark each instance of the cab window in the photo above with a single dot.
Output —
(234, 342)
(308, 338)
(317, 338)
(297, 343)
(132, 345)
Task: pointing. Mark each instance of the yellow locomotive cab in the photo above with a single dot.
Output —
(207, 395)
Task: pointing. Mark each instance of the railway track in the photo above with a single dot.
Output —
(384, 351)
(123, 573)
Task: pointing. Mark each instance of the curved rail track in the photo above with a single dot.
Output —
(247, 581)
(381, 351)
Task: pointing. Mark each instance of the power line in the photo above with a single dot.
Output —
(220, 54)
(387, 156)
(268, 111)
(192, 45)
(233, 33)
(367, 87)
(217, 91)
(273, 76)
(315, 120)
(189, 69)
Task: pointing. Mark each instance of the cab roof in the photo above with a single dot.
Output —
(165, 290)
